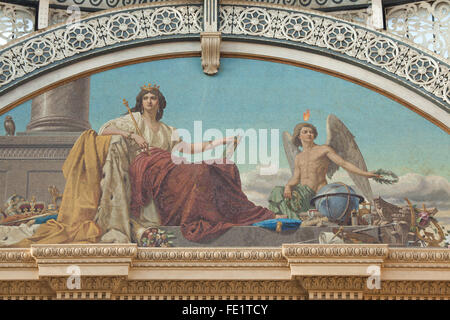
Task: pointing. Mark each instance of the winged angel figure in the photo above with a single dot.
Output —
(314, 163)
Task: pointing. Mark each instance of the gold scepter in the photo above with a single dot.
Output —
(125, 102)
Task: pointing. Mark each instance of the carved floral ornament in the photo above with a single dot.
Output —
(395, 58)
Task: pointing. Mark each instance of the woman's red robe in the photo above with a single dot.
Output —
(204, 199)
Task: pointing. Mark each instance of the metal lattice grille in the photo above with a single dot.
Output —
(15, 21)
(425, 23)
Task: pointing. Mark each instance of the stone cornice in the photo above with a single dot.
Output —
(83, 251)
(417, 255)
(15, 255)
(288, 256)
(293, 271)
(335, 251)
(268, 256)
(212, 257)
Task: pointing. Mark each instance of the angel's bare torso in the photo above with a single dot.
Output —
(313, 164)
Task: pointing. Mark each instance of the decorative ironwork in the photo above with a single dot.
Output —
(362, 16)
(99, 33)
(425, 23)
(102, 31)
(310, 4)
(105, 4)
(15, 21)
(57, 16)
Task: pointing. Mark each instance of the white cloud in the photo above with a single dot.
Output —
(257, 187)
(434, 191)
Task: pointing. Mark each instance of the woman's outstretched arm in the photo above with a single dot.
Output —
(199, 147)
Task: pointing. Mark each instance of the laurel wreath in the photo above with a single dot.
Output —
(386, 173)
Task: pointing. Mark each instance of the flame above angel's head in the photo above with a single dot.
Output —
(306, 115)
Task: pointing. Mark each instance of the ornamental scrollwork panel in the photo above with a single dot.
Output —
(38, 52)
(363, 16)
(417, 21)
(446, 92)
(382, 52)
(15, 21)
(195, 19)
(165, 21)
(356, 44)
(7, 70)
(297, 27)
(310, 4)
(80, 37)
(94, 33)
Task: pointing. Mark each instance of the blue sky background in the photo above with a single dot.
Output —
(263, 95)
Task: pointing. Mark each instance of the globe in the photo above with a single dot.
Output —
(336, 201)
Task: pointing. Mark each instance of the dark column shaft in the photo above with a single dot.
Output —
(65, 108)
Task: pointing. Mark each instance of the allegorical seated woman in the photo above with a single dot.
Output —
(143, 186)
(204, 199)
(124, 180)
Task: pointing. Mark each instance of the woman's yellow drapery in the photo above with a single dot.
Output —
(83, 173)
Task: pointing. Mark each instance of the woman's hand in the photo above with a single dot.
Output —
(140, 141)
(218, 142)
(231, 139)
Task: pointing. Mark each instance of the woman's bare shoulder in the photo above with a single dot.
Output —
(167, 126)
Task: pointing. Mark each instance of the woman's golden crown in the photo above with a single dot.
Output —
(149, 87)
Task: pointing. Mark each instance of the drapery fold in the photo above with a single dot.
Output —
(83, 173)
(204, 199)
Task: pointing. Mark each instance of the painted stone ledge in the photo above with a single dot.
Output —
(210, 256)
(91, 259)
(333, 260)
(288, 262)
(15, 256)
(293, 271)
(210, 264)
(17, 265)
(416, 264)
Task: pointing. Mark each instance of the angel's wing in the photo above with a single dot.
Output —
(343, 142)
(290, 149)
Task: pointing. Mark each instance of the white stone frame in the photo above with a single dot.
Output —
(293, 271)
